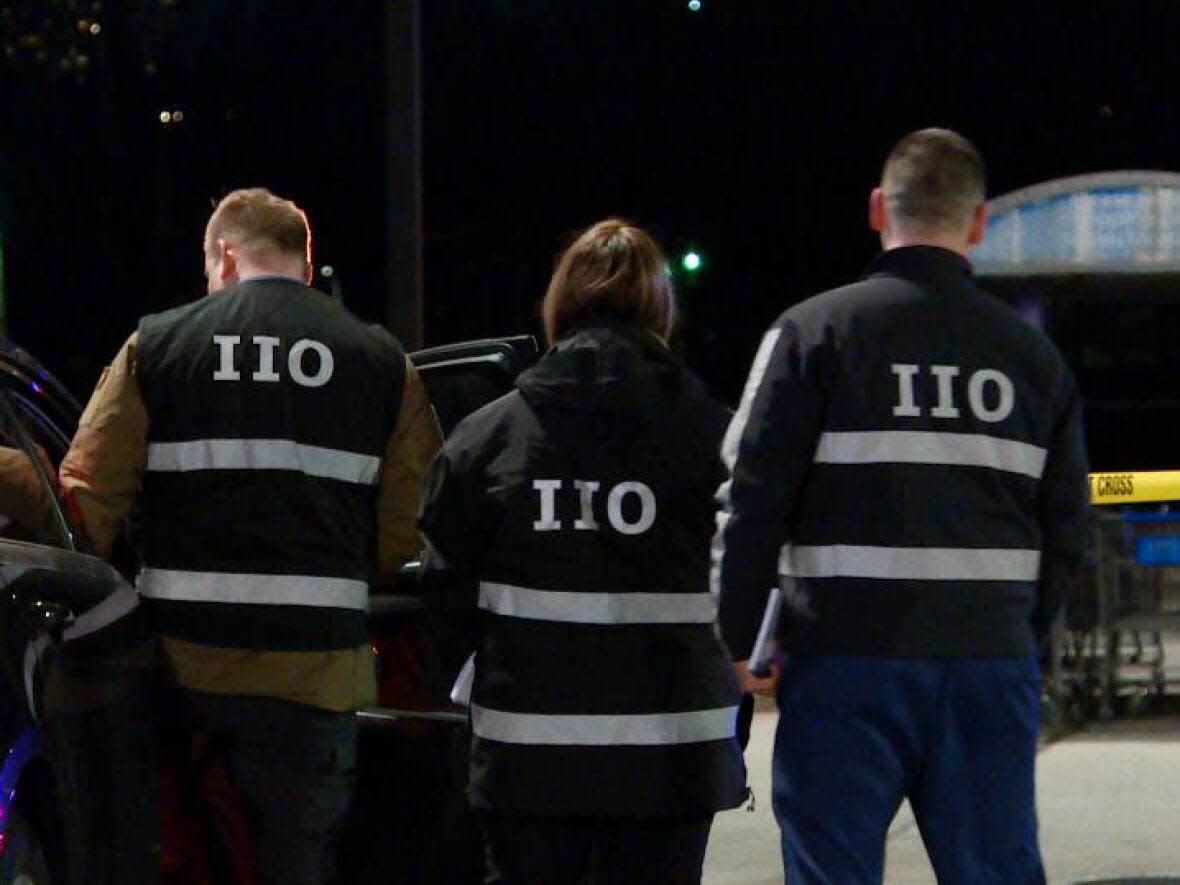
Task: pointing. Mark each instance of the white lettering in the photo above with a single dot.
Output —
(647, 508)
(548, 489)
(295, 363)
(905, 408)
(225, 370)
(1005, 400)
(266, 358)
(586, 489)
(946, 394)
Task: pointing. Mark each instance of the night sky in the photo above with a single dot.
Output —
(750, 130)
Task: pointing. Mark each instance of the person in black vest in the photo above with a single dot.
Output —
(275, 444)
(908, 460)
(603, 703)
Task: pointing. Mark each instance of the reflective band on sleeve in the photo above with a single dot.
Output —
(32, 657)
(597, 608)
(914, 563)
(653, 729)
(121, 602)
(717, 547)
(245, 589)
(737, 427)
(730, 444)
(922, 447)
(263, 454)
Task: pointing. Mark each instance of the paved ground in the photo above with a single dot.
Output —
(1109, 800)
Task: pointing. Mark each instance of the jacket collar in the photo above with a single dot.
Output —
(923, 263)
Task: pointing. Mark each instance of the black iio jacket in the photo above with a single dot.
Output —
(582, 503)
(918, 447)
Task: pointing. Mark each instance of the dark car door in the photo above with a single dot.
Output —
(76, 659)
(462, 377)
(411, 822)
(77, 651)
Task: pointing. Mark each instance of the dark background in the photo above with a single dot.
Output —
(751, 130)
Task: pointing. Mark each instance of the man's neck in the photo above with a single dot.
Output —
(954, 242)
(261, 273)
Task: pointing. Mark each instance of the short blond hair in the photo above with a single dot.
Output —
(933, 179)
(259, 223)
(612, 270)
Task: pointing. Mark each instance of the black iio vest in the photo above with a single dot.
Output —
(270, 407)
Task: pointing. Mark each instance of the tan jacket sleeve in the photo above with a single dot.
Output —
(102, 474)
(415, 440)
(24, 498)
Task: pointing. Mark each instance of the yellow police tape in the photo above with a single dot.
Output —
(1132, 488)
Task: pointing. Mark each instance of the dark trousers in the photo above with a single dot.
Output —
(104, 762)
(295, 767)
(595, 851)
(957, 738)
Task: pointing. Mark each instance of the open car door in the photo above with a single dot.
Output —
(410, 820)
(77, 662)
(462, 377)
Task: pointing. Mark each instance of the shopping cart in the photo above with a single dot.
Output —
(1123, 617)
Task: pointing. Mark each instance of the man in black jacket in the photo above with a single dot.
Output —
(908, 462)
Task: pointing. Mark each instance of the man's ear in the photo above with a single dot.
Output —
(308, 273)
(877, 210)
(227, 257)
(978, 225)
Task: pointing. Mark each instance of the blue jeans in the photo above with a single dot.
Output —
(957, 738)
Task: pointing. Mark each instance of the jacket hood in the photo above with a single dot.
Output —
(603, 369)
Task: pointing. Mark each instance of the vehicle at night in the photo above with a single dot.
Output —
(409, 820)
(35, 411)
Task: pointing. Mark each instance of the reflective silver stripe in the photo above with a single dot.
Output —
(33, 652)
(737, 427)
(653, 729)
(247, 589)
(122, 601)
(263, 454)
(597, 608)
(914, 563)
(924, 447)
(729, 452)
(717, 548)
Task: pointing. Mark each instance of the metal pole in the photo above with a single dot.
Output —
(3, 294)
(404, 130)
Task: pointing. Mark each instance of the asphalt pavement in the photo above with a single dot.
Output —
(1108, 798)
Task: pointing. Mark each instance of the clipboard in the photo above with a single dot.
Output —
(766, 645)
(461, 690)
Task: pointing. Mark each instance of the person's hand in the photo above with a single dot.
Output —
(756, 684)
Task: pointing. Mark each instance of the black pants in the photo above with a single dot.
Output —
(296, 769)
(595, 851)
(104, 762)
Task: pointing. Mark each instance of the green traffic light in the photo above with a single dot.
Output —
(691, 261)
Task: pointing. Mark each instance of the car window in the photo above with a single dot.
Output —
(29, 509)
(462, 377)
